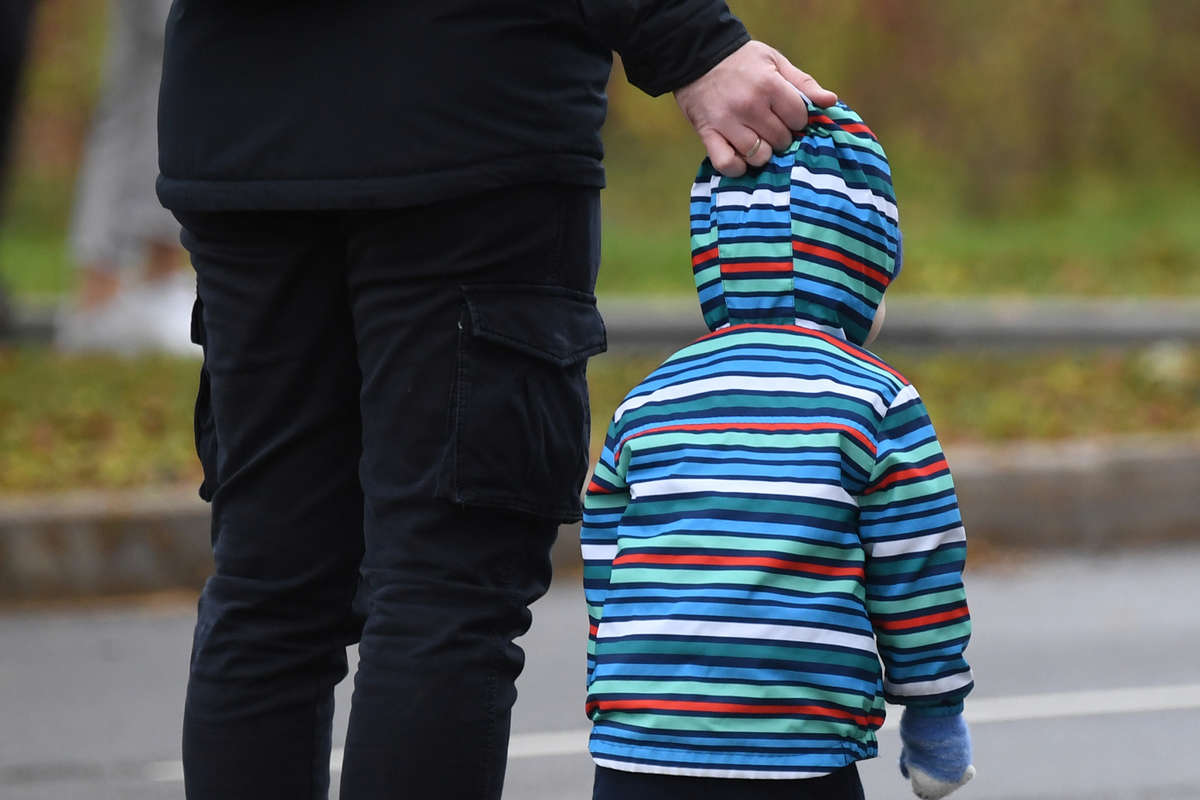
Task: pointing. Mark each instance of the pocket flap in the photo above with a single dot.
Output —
(558, 325)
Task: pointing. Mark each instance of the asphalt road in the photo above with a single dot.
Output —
(1088, 673)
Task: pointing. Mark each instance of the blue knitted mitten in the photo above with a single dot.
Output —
(936, 753)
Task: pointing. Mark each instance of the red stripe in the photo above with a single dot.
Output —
(903, 474)
(595, 488)
(833, 255)
(755, 426)
(853, 127)
(658, 704)
(757, 266)
(928, 619)
(858, 127)
(739, 561)
(704, 255)
(849, 349)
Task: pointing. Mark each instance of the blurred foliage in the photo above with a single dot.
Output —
(111, 422)
(73, 422)
(1038, 146)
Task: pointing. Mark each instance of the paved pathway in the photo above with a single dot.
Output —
(1087, 668)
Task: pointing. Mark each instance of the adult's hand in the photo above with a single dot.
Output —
(747, 105)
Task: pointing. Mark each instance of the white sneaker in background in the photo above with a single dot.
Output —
(147, 317)
(114, 327)
(168, 305)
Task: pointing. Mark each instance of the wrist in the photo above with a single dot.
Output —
(950, 710)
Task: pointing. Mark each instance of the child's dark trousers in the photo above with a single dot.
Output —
(612, 784)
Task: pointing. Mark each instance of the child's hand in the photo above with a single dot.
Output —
(936, 754)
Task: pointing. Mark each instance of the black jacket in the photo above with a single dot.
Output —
(308, 104)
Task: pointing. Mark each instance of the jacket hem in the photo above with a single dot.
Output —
(281, 194)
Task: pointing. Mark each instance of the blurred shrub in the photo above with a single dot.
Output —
(76, 422)
(983, 106)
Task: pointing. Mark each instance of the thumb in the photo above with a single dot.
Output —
(821, 97)
(927, 787)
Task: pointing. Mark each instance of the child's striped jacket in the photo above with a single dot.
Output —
(772, 514)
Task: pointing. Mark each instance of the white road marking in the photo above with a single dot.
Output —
(551, 743)
(1137, 700)
(163, 771)
(1015, 708)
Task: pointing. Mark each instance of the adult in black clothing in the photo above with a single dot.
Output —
(393, 213)
(15, 18)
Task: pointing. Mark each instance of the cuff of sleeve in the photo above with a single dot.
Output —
(658, 64)
(935, 711)
(702, 67)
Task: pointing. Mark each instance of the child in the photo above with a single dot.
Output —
(772, 514)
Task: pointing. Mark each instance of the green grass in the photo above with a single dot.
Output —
(37, 266)
(1099, 240)
(83, 422)
(34, 259)
(75, 422)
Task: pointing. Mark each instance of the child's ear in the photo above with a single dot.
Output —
(877, 323)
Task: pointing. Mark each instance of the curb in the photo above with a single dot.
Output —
(669, 322)
(1089, 495)
(666, 323)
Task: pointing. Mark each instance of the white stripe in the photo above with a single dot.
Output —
(670, 486)
(1019, 708)
(599, 552)
(864, 197)
(752, 383)
(702, 191)
(832, 330)
(762, 196)
(922, 688)
(734, 630)
(699, 772)
(915, 544)
(905, 395)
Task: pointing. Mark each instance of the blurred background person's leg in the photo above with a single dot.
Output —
(134, 289)
(14, 37)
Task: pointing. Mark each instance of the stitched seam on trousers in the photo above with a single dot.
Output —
(490, 778)
(460, 391)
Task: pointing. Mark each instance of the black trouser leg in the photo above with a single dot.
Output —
(278, 431)
(402, 391)
(471, 318)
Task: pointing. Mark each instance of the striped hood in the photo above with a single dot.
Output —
(812, 238)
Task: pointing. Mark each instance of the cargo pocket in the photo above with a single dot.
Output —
(205, 430)
(519, 411)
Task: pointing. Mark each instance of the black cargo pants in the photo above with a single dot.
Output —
(392, 422)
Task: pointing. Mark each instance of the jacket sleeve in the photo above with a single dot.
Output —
(665, 44)
(913, 536)
(603, 504)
